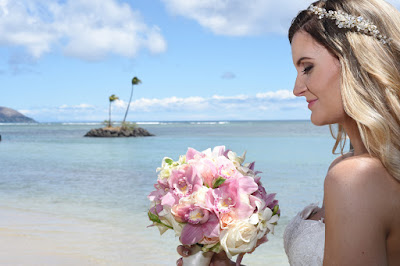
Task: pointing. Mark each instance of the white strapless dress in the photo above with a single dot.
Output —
(304, 239)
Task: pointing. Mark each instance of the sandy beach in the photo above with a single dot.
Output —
(31, 238)
(35, 238)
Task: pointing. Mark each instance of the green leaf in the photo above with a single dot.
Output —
(220, 180)
(154, 218)
(216, 248)
(169, 161)
(275, 210)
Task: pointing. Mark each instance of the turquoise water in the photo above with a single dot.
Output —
(53, 169)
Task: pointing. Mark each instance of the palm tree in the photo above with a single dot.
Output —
(111, 98)
(135, 81)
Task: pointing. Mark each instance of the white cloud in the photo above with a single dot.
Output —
(82, 106)
(269, 105)
(277, 95)
(240, 18)
(237, 17)
(87, 29)
(240, 97)
(167, 104)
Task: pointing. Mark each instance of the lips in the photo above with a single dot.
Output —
(311, 103)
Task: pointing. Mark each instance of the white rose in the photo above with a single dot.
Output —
(239, 238)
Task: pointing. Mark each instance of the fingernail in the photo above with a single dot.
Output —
(186, 252)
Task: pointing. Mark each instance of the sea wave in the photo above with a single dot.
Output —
(148, 123)
(210, 123)
(81, 123)
(184, 122)
(19, 124)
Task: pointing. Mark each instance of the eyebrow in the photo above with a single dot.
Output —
(301, 59)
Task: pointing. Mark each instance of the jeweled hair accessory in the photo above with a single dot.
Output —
(344, 20)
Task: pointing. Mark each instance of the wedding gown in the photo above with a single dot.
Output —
(304, 239)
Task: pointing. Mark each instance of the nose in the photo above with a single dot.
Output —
(299, 87)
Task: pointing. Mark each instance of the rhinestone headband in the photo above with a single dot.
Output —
(344, 20)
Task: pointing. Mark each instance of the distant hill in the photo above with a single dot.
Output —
(8, 115)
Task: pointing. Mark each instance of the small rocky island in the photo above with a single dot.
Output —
(127, 129)
(8, 115)
(110, 132)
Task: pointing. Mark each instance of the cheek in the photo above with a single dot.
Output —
(330, 82)
(335, 82)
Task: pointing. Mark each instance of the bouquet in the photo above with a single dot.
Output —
(212, 199)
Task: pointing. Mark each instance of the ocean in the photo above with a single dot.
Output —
(88, 196)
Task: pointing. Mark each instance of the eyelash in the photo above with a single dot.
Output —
(307, 69)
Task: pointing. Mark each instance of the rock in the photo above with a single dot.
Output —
(123, 133)
(118, 132)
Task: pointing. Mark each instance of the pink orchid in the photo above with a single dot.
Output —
(169, 199)
(192, 154)
(226, 168)
(200, 222)
(207, 170)
(184, 181)
(161, 190)
(156, 196)
(194, 233)
(222, 199)
(261, 194)
(232, 196)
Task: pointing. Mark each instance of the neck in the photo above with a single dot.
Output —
(351, 128)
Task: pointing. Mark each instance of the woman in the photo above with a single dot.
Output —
(347, 56)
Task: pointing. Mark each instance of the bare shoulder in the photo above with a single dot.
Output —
(365, 183)
(358, 194)
(357, 170)
(340, 158)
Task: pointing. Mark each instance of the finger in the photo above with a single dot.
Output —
(179, 262)
(183, 251)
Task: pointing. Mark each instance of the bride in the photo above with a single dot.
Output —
(347, 56)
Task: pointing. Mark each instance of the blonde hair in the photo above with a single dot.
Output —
(370, 71)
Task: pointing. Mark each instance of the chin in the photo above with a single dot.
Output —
(317, 121)
(318, 124)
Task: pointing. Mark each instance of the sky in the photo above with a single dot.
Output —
(198, 60)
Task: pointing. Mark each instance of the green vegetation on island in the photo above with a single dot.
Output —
(111, 99)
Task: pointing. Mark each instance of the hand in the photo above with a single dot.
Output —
(218, 259)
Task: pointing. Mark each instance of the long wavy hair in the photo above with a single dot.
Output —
(370, 73)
